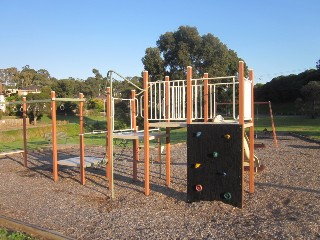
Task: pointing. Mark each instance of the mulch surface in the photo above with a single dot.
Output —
(285, 205)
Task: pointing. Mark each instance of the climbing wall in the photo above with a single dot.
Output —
(215, 163)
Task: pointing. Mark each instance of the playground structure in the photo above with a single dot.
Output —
(181, 103)
(54, 137)
(173, 104)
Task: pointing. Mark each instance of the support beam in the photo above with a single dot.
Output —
(81, 138)
(146, 135)
(24, 115)
(109, 170)
(168, 129)
(54, 137)
(273, 127)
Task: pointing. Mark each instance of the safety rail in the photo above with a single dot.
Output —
(177, 107)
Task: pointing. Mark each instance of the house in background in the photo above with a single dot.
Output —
(2, 99)
(30, 89)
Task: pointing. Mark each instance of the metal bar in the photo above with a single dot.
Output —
(214, 78)
(241, 92)
(251, 136)
(184, 99)
(135, 142)
(195, 92)
(27, 101)
(160, 105)
(189, 94)
(234, 99)
(151, 101)
(241, 116)
(214, 102)
(205, 100)
(70, 100)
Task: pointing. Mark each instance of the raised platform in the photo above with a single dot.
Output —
(168, 124)
(137, 135)
(184, 124)
(75, 161)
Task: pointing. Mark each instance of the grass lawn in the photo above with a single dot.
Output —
(13, 139)
(303, 125)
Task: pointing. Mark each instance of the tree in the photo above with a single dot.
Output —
(185, 47)
(9, 76)
(35, 110)
(286, 88)
(26, 76)
(154, 64)
(318, 64)
(311, 94)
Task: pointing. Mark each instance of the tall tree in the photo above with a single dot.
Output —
(9, 76)
(153, 62)
(185, 47)
(311, 94)
(318, 64)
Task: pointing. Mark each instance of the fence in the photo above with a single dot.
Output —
(12, 123)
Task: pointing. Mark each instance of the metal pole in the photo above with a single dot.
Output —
(241, 92)
(189, 94)
(135, 142)
(241, 117)
(206, 102)
(251, 147)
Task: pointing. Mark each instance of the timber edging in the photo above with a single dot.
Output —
(33, 230)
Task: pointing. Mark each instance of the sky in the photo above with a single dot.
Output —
(71, 37)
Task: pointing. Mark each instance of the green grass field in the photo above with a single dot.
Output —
(13, 139)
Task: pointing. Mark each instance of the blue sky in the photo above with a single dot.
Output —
(71, 37)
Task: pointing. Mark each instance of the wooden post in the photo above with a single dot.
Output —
(24, 115)
(206, 97)
(189, 94)
(146, 135)
(81, 138)
(109, 169)
(54, 137)
(251, 147)
(135, 142)
(168, 129)
(273, 127)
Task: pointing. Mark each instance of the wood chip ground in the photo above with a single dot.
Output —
(285, 205)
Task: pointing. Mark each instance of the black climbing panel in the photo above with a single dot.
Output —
(215, 163)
